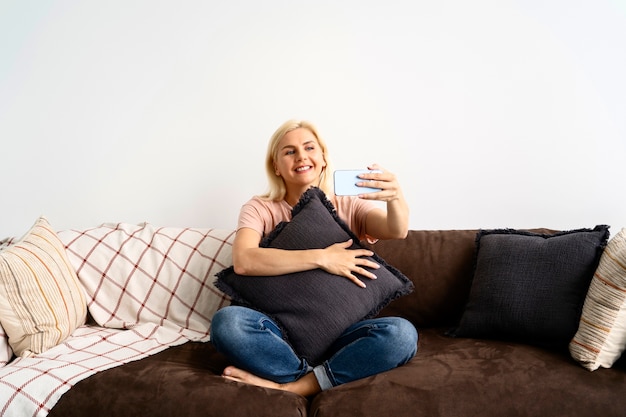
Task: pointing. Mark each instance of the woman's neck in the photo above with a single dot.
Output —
(292, 196)
(292, 200)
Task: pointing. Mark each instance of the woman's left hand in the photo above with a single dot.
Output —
(387, 182)
(394, 222)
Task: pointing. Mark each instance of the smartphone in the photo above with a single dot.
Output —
(345, 182)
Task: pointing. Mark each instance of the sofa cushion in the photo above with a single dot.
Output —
(461, 377)
(314, 307)
(530, 287)
(440, 264)
(135, 274)
(182, 381)
(41, 300)
(601, 336)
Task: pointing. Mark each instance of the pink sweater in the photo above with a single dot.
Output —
(263, 215)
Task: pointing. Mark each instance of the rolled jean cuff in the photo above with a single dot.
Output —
(322, 377)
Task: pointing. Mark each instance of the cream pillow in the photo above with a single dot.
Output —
(601, 336)
(41, 300)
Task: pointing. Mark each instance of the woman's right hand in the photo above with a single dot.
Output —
(338, 259)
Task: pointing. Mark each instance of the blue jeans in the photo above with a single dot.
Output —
(252, 341)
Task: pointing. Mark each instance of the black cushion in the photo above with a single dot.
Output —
(531, 287)
(314, 307)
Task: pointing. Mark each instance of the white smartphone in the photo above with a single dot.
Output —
(345, 182)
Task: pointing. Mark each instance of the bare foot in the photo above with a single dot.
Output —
(239, 375)
(305, 386)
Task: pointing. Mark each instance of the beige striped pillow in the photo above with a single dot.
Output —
(601, 336)
(41, 300)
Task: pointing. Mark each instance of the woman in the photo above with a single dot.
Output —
(296, 160)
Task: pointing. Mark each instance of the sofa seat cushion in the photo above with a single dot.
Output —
(181, 381)
(452, 377)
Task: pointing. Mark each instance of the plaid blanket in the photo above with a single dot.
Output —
(148, 288)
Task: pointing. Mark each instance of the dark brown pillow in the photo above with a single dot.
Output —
(314, 307)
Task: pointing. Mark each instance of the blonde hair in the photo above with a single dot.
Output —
(277, 189)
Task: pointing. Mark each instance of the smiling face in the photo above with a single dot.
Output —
(299, 161)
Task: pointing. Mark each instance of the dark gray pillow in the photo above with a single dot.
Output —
(531, 287)
(314, 307)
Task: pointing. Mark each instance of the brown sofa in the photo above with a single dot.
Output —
(449, 377)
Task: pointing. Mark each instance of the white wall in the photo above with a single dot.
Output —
(492, 113)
